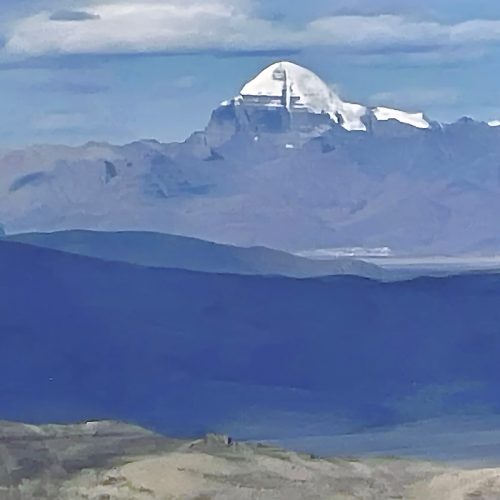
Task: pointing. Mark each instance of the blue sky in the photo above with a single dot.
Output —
(119, 70)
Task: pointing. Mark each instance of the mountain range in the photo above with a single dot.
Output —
(286, 164)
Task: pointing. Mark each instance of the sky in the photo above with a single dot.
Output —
(72, 71)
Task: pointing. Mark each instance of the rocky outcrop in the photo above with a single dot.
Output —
(113, 461)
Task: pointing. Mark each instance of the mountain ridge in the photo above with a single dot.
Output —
(275, 176)
(172, 251)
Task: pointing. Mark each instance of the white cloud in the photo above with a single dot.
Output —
(378, 30)
(125, 27)
(213, 25)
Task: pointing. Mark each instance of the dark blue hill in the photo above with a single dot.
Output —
(187, 352)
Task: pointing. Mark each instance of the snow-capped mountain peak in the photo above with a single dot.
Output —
(276, 169)
(285, 84)
(288, 84)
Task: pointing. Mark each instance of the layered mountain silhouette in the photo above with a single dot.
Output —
(179, 252)
(286, 164)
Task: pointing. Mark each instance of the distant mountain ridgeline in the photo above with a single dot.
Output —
(179, 252)
(298, 170)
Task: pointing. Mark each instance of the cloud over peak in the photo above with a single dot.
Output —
(229, 25)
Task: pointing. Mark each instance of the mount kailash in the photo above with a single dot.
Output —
(285, 164)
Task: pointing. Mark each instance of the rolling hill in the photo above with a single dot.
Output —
(267, 357)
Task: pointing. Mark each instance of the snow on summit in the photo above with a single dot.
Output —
(301, 88)
(288, 84)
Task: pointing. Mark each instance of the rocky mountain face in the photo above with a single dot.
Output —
(286, 164)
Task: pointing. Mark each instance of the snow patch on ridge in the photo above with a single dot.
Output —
(414, 119)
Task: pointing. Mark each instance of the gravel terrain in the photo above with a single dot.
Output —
(113, 461)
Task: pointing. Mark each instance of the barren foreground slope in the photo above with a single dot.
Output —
(111, 461)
